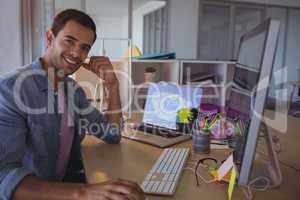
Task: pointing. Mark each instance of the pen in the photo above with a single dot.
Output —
(238, 128)
(214, 121)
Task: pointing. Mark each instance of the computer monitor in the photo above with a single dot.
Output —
(248, 95)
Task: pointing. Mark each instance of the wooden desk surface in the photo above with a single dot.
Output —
(132, 160)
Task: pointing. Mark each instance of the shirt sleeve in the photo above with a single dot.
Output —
(94, 122)
(12, 145)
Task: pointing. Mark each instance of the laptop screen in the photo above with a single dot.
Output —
(164, 100)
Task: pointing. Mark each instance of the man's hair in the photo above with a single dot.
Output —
(80, 17)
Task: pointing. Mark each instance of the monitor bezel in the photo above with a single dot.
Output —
(266, 66)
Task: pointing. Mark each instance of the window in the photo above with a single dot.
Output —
(214, 40)
(155, 31)
(221, 25)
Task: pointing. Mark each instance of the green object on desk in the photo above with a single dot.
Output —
(185, 115)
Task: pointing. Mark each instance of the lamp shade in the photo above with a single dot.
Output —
(132, 51)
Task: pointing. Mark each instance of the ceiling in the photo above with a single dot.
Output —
(111, 8)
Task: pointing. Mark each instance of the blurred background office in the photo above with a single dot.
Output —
(193, 29)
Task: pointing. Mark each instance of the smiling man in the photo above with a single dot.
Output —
(40, 111)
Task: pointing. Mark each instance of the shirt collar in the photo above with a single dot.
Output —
(40, 76)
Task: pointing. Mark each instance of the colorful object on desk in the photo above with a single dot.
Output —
(214, 174)
(185, 115)
(216, 124)
(232, 182)
(223, 128)
(227, 167)
(205, 125)
(214, 119)
(201, 141)
(240, 126)
(220, 126)
(201, 135)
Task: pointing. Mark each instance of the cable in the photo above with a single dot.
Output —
(288, 165)
(262, 187)
(278, 150)
(203, 179)
(280, 161)
(192, 163)
(251, 186)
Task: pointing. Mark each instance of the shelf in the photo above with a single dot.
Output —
(133, 89)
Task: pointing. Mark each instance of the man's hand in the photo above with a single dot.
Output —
(34, 188)
(101, 66)
(112, 190)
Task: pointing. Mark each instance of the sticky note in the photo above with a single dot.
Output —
(214, 174)
(231, 183)
(225, 167)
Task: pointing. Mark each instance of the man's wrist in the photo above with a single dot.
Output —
(113, 86)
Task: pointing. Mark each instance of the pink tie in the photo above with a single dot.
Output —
(66, 136)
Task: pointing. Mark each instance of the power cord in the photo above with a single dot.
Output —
(280, 161)
(265, 186)
(278, 150)
(193, 169)
(199, 175)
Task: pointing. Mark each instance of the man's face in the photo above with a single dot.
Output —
(70, 47)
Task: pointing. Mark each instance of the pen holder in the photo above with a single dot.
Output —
(201, 141)
(237, 144)
(185, 128)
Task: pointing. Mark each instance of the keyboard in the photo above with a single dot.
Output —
(162, 179)
(167, 133)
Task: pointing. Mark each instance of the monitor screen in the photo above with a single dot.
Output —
(246, 78)
(250, 58)
(251, 49)
(239, 105)
(164, 100)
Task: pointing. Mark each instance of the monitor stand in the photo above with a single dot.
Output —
(267, 165)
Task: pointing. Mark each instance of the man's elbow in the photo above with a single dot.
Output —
(116, 138)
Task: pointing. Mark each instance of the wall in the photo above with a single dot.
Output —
(183, 27)
(278, 76)
(111, 18)
(39, 27)
(293, 47)
(293, 44)
(63, 4)
(110, 27)
(10, 31)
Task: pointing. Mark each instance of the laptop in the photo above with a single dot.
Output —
(159, 126)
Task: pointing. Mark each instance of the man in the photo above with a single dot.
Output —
(40, 114)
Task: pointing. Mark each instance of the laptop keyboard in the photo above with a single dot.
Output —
(168, 133)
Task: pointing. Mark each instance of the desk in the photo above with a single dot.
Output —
(132, 160)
